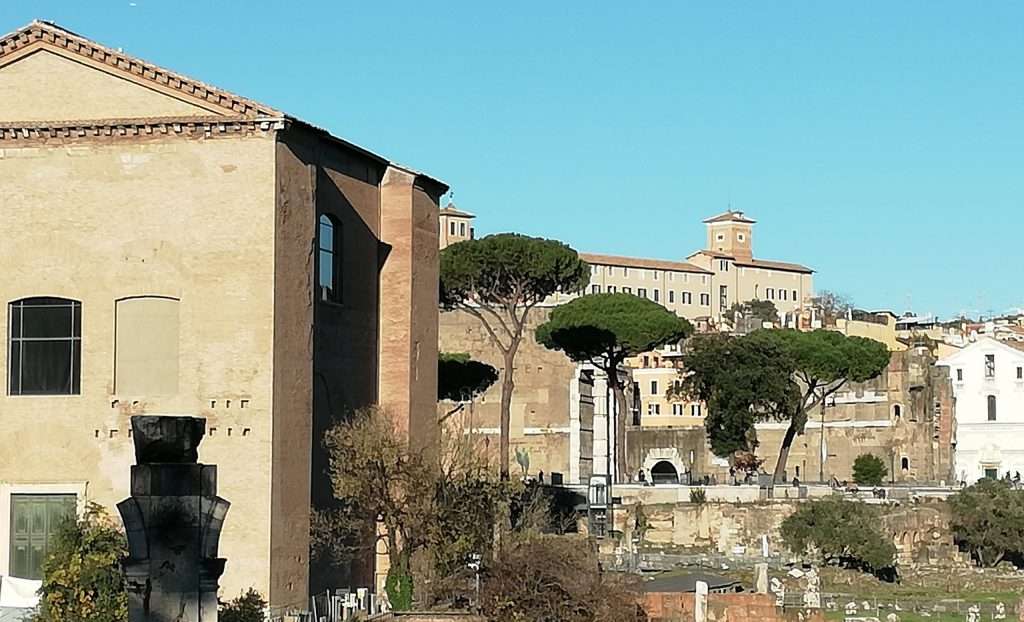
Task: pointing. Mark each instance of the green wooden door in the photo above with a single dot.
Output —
(34, 521)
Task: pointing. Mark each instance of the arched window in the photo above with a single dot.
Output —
(991, 408)
(664, 473)
(329, 258)
(897, 410)
(45, 347)
(905, 463)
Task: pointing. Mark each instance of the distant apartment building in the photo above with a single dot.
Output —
(454, 225)
(172, 248)
(988, 383)
(739, 277)
(700, 289)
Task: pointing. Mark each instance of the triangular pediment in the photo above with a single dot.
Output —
(50, 74)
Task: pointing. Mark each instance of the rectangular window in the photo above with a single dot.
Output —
(654, 274)
(677, 409)
(990, 365)
(627, 290)
(705, 299)
(723, 297)
(695, 410)
(654, 409)
(991, 473)
(795, 298)
(462, 228)
(991, 408)
(782, 294)
(687, 298)
(959, 375)
(647, 361)
(672, 299)
(611, 289)
(625, 272)
(770, 293)
(654, 387)
(655, 292)
(595, 289)
(34, 522)
(642, 292)
(452, 227)
(45, 347)
(1020, 373)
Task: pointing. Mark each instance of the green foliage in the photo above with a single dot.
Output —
(399, 589)
(869, 470)
(460, 378)
(607, 328)
(742, 381)
(840, 531)
(497, 269)
(698, 496)
(772, 375)
(499, 279)
(988, 518)
(247, 607)
(82, 576)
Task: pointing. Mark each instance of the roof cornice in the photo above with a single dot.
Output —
(207, 126)
(45, 35)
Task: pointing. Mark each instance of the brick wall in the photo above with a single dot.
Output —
(742, 607)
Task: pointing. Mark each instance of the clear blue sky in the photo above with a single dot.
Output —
(881, 143)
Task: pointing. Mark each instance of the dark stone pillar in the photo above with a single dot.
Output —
(173, 521)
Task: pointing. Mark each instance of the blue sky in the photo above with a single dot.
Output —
(881, 143)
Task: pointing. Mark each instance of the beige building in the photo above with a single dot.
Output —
(172, 248)
(455, 225)
(739, 277)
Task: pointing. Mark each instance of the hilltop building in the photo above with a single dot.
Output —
(455, 225)
(172, 248)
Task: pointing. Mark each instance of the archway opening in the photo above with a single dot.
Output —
(664, 473)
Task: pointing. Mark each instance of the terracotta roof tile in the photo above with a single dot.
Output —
(757, 263)
(640, 262)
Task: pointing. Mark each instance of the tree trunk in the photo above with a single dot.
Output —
(507, 386)
(795, 426)
(620, 425)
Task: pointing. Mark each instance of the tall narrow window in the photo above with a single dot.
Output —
(45, 347)
(959, 375)
(990, 365)
(655, 292)
(642, 292)
(991, 408)
(1020, 373)
(654, 387)
(672, 297)
(462, 228)
(595, 289)
(451, 225)
(329, 241)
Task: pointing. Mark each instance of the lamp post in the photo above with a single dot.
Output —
(822, 456)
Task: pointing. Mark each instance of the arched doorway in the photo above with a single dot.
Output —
(664, 473)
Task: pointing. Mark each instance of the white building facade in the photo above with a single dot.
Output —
(988, 387)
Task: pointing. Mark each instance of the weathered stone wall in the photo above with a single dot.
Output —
(921, 532)
(548, 390)
(901, 417)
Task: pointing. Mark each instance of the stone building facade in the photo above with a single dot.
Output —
(903, 417)
(553, 404)
(171, 248)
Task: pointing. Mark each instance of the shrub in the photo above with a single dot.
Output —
(841, 531)
(869, 470)
(554, 579)
(82, 576)
(248, 607)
